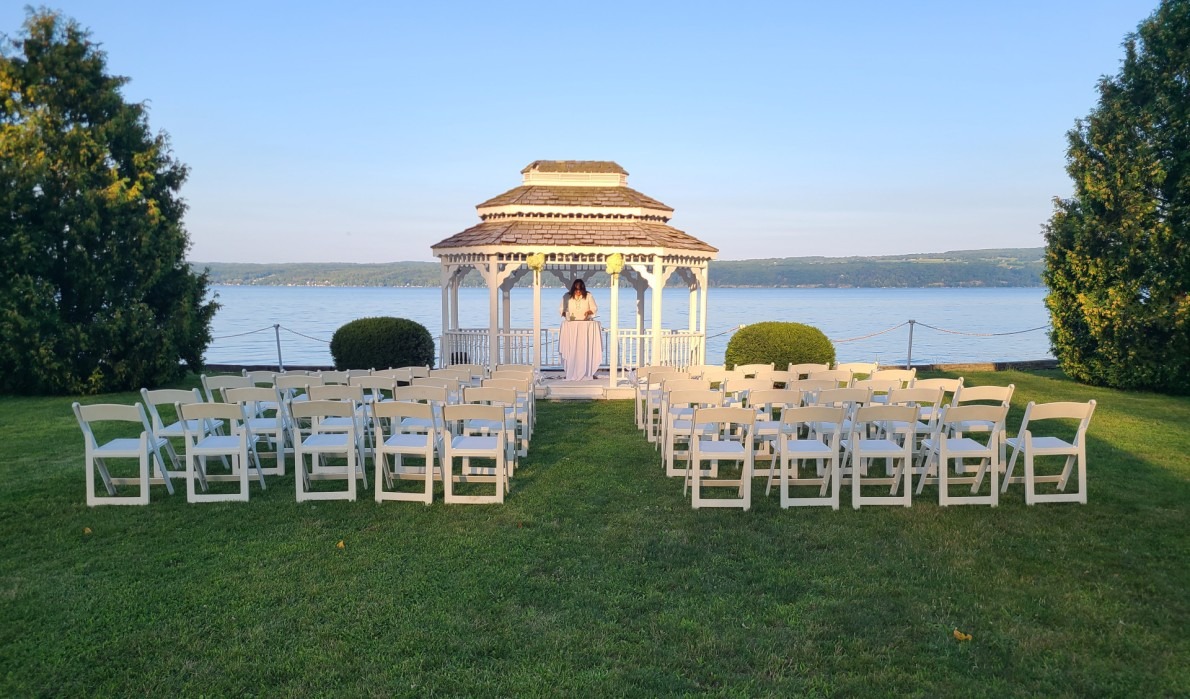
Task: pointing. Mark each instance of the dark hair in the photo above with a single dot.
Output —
(578, 285)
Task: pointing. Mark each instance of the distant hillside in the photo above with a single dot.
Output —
(1006, 267)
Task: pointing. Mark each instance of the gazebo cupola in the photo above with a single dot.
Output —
(574, 218)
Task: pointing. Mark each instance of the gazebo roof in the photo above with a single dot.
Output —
(542, 195)
(585, 233)
(577, 204)
(585, 166)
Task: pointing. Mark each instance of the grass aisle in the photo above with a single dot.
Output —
(596, 578)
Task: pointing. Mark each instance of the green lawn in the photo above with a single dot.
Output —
(596, 578)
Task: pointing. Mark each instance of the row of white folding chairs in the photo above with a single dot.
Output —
(485, 425)
(105, 425)
(254, 423)
(683, 396)
(649, 382)
(817, 448)
(740, 391)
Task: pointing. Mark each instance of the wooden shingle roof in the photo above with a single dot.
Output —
(587, 166)
(536, 233)
(538, 195)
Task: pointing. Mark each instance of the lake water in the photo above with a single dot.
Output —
(968, 325)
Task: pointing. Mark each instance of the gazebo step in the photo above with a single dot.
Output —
(576, 390)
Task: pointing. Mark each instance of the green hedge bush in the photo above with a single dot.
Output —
(379, 343)
(780, 343)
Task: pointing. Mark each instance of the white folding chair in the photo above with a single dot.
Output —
(200, 444)
(1035, 446)
(172, 430)
(392, 441)
(466, 440)
(907, 378)
(949, 388)
(511, 423)
(340, 439)
(799, 442)
(750, 371)
(872, 437)
(264, 412)
(476, 372)
(353, 394)
(679, 382)
(336, 377)
(454, 388)
(858, 370)
(677, 413)
(947, 443)
(647, 397)
(376, 388)
(260, 377)
(770, 404)
(980, 395)
(804, 369)
(144, 448)
(213, 386)
(292, 385)
(524, 408)
(841, 377)
(434, 396)
(721, 435)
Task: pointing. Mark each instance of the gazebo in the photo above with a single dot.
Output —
(573, 219)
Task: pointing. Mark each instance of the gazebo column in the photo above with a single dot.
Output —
(613, 343)
(703, 277)
(447, 338)
(455, 283)
(536, 322)
(640, 285)
(495, 278)
(657, 281)
(506, 317)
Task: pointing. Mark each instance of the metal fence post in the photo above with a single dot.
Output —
(909, 353)
(277, 333)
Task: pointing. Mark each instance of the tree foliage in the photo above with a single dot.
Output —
(1118, 251)
(381, 343)
(97, 295)
(780, 343)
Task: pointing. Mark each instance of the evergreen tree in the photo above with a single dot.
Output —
(1118, 252)
(96, 294)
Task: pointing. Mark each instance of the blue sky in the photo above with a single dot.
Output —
(367, 132)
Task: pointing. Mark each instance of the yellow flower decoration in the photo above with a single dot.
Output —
(960, 636)
(536, 261)
(615, 263)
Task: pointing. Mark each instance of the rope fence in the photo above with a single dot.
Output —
(277, 328)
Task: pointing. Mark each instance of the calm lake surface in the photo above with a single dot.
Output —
(970, 323)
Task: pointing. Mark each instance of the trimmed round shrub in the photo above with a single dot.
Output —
(379, 343)
(780, 343)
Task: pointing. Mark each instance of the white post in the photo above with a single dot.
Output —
(506, 300)
(639, 285)
(536, 321)
(613, 340)
(447, 282)
(657, 281)
(493, 317)
(704, 284)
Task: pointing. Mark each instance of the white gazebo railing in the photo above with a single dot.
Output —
(678, 348)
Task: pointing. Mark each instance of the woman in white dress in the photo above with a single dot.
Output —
(580, 347)
(577, 304)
